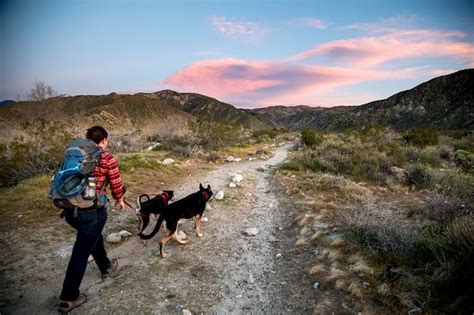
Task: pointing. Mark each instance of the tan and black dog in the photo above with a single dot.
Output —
(190, 206)
(155, 205)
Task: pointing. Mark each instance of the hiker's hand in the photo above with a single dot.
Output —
(120, 203)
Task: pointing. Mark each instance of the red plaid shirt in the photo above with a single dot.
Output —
(107, 168)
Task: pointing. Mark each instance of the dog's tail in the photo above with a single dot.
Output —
(155, 230)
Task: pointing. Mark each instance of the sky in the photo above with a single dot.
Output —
(247, 53)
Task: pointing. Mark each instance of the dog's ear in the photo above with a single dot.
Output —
(200, 187)
(208, 187)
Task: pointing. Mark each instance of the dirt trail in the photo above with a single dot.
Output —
(224, 271)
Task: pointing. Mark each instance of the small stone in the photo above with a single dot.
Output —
(244, 248)
(208, 207)
(232, 185)
(167, 161)
(366, 284)
(250, 231)
(250, 280)
(239, 296)
(316, 285)
(230, 159)
(237, 178)
(219, 195)
(125, 233)
(186, 312)
(278, 255)
(114, 238)
(90, 258)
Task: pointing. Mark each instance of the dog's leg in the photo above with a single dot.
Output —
(163, 242)
(176, 238)
(197, 225)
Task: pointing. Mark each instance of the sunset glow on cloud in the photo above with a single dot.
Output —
(304, 79)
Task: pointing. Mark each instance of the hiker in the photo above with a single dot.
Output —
(89, 223)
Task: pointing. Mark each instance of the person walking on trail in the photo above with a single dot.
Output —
(89, 223)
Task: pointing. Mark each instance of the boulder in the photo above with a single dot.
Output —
(167, 161)
(219, 195)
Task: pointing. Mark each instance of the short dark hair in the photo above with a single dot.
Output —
(96, 134)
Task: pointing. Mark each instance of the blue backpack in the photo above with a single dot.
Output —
(74, 185)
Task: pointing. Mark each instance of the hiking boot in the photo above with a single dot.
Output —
(67, 306)
(111, 270)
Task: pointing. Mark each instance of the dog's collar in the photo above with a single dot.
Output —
(206, 196)
(165, 197)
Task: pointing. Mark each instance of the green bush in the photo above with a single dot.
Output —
(419, 177)
(136, 161)
(464, 160)
(310, 136)
(421, 137)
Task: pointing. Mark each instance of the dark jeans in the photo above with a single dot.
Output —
(89, 225)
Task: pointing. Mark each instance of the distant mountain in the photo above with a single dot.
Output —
(445, 102)
(208, 108)
(6, 102)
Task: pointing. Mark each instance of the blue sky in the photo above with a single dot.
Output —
(247, 53)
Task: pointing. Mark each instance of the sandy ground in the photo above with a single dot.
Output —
(225, 271)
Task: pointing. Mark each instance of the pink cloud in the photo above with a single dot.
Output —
(266, 82)
(237, 29)
(397, 44)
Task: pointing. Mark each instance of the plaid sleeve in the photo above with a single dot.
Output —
(113, 176)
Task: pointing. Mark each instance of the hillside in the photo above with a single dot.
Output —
(444, 103)
(208, 108)
(122, 114)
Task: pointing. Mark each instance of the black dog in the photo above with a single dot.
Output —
(156, 205)
(190, 206)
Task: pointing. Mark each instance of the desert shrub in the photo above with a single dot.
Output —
(464, 160)
(292, 165)
(215, 134)
(270, 133)
(310, 137)
(444, 209)
(38, 153)
(419, 176)
(464, 143)
(213, 156)
(136, 161)
(187, 151)
(445, 152)
(449, 265)
(421, 137)
(379, 229)
(455, 184)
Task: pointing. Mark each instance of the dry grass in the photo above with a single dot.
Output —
(317, 269)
